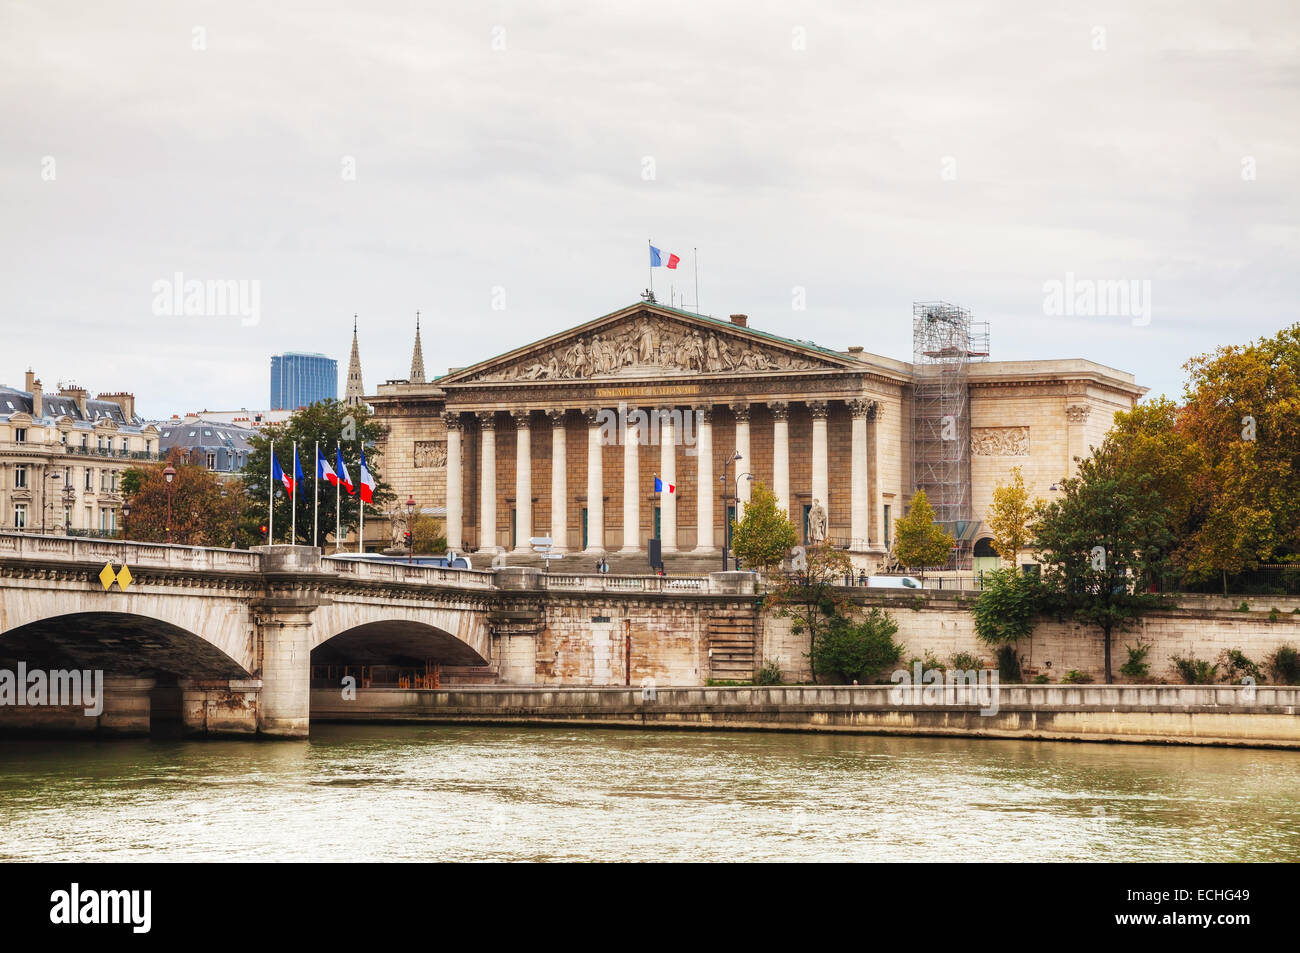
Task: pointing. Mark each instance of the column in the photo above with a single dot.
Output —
(559, 483)
(858, 503)
(595, 484)
(487, 486)
(667, 473)
(523, 481)
(704, 542)
(1076, 416)
(455, 487)
(744, 464)
(632, 480)
(781, 453)
(820, 476)
(876, 518)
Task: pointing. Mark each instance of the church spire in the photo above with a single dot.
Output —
(417, 358)
(355, 393)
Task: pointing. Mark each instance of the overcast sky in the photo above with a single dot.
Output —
(870, 155)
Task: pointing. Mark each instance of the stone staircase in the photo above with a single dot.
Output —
(731, 646)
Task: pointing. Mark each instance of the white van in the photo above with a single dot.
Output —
(894, 582)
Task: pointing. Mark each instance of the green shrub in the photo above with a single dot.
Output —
(1274, 614)
(1136, 666)
(1244, 607)
(1284, 665)
(1008, 664)
(1042, 679)
(964, 661)
(1008, 607)
(1236, 666)
(1194, 671)
(769, 674)
(858, 651)
(1075, 677)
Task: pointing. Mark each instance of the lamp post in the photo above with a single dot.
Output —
(169, 474)
(126, 516)
(726, 530)
(45, 493)
(410, 529)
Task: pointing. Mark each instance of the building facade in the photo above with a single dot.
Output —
(299, 379)
(221, 448)
(62, 457)
(565, 437)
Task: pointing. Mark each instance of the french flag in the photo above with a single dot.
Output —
(341, 477)
(657, 259)
(367, 481)
(297, 470)
(277, 473)
(324, 471)
(661, 486)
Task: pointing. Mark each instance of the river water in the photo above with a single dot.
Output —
(472, 793)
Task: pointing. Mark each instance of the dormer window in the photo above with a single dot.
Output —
(20, 435)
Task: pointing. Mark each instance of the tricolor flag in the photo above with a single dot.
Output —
(277, 473)
(661, 486)
(656, 259)
(297, 469)
(341, 477)
(323, 469)
(367, 481)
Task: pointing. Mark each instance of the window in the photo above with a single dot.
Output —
(887, 528)
(20, 516)
(212, 460)
(83, 441)
(90, 480)
(20, 477)
(20, 435)
(112, 481)
(124, 447)
(67, 516)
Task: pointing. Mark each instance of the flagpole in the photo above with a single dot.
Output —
(270, 498)
(293, 500)
(315, 518)
(361, 527)
(696, 257)
(338, 501)
(650, 258)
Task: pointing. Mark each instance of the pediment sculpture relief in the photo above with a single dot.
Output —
(999, 441)
(644, 344)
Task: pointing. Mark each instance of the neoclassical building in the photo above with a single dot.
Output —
(564, 437)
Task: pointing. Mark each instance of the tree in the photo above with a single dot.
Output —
(919, 540)
(765, 536)
(809, 597)
(1243, 414)
(1102, 542)
(1011, 517)
(858, 651)
(1008, 606)
(427, 536)
(198, 517)
(325, 421)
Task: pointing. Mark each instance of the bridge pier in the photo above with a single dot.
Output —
(127, 706)
(284, 708)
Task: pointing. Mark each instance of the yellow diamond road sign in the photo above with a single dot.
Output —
(107, 576)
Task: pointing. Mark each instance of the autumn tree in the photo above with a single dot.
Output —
(765, 535)
(198, 514)
(330, 423)
(1243, 413)
(1011, 517)
(427, 537)
(918, 540)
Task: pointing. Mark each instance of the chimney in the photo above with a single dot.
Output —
(855, 348)
(31, 379)
(78, 395)
(124, 400)
(740, 320)
(38, 397)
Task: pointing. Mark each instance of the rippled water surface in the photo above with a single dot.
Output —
(468, 793)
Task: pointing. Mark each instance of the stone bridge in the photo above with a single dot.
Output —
(226, 641)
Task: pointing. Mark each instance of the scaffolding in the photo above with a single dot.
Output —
(944, 343)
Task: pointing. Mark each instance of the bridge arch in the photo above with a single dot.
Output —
(396, 634)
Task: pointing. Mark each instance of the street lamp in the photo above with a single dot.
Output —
(410, 529)
(726, 529)
(169, 474)
(45, 493)
(126, 515)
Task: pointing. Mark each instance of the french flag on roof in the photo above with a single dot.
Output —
(657, 259)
